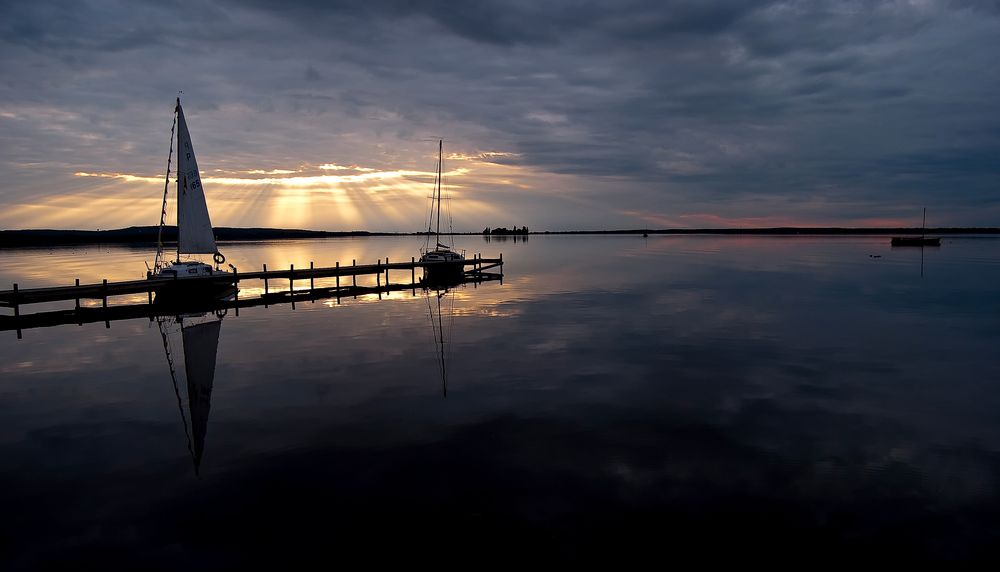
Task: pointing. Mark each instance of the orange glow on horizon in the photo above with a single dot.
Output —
(324, 197)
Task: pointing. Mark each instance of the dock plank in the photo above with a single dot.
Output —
(110, 314)
(23, 296)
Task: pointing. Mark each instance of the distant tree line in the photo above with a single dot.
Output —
(502, 230)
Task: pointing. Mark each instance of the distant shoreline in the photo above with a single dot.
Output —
(148, 234)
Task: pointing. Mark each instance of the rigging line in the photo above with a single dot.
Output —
(430, 217)
(430, 221)
(451, 226)
(158, 262)
(430, 210)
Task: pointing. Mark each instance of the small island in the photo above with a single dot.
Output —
(504, 231)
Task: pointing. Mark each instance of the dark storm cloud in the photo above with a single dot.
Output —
(507, 22)
(686, 99)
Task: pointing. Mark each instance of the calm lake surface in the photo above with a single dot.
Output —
(613, 397)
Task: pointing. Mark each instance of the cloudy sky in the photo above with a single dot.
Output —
(556, 114)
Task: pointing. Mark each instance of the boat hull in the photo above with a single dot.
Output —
(443, 272)
(915, 241)
(192, 282)
(189, 291)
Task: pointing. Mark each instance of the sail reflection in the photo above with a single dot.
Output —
(199, 336)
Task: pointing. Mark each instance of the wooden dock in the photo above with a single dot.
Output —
(475, 271)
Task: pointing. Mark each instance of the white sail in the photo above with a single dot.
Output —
(194, 227)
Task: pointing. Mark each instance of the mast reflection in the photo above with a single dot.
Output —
(440, 303)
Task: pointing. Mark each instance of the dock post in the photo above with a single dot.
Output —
(79, 320)
(413, 275)
(236, 290)
(312, 285)
(17, 312)
(338, 281)
(354, 277)
(386, 271)
(291, 284)
(104, 303)
(265, 285)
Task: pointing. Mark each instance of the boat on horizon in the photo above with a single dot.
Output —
(921, 240)
(194, 228)
(445, 262)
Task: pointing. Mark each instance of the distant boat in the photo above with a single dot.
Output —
(921, 240)
(915, 241)
(447, 263)
(194, 227)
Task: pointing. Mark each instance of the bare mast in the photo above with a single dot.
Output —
(177, 113)
(439, 196)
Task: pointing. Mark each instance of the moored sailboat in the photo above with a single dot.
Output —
(194, 226)
(443, 261)
(922, 240)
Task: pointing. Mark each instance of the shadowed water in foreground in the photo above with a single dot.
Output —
(614, 397)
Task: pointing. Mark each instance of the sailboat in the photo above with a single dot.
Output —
(200, 340)
(194, 227)
(446, 263)
(921, 240)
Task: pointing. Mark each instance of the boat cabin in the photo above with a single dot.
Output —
(187, 269)
(441, 256)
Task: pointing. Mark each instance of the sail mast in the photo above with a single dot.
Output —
(439, 195)
(177, 112)
(923, 224)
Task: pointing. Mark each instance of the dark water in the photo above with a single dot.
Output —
(614, 398)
